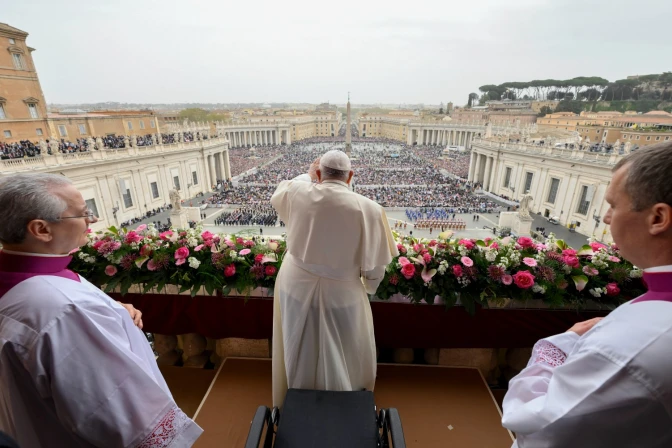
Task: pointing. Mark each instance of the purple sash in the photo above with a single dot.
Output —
(16, 268)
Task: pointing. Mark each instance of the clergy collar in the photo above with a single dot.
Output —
(334, 181)
(658, 281)
(12, 261)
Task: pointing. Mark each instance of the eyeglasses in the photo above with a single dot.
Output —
(88, 215)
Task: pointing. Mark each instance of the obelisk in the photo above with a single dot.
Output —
(348, 130)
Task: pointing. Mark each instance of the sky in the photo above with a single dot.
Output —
(296, 51)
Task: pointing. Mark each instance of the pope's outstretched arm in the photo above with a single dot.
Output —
(106, 393)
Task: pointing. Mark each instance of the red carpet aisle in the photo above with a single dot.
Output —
(439, 407)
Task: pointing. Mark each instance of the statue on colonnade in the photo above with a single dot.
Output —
(175, 199)
(44, 149)
(99, 143)
(525, 206)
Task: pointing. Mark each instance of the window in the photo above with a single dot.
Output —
(155, 189)
(657, 138)
(648, 138)
(8, 134)
(130, 125)
(2, 112)
(18, 62)
(553, 191)
(39, 131)
(584, 204)
(507, 178)
(528, 182)
(667, 138)
(637, 138)
(151, 124)
(82, 129)
(91, 204)
(62, 131)
(176, 181)
(12, 41)
(32, 108)
(625, 136)
(194, 177)
(142, 124)
(125, 194)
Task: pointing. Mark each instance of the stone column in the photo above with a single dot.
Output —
(227, 165)
(486, 176)
(472, 165)
(217, 164)
(477, 170)
(493, 171)
(222, 165)
(211, 168)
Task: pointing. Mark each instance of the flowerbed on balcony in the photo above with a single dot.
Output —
(471, 271)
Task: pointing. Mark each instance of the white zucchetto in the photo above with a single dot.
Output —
(336, 160)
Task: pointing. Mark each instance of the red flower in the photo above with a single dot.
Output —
(426, 257)
(248, 243)
(596, 246)
(432, 243)
(146, 250)
(181, 253)
(526, 242)
(408, 270)
(239, 240)
(270, 270)
(133, 237)
(613, 289)
(401, 248)
(258, 258)
(571, 260)
(457, 270)
(523, 279)
(230, 270)
(394, 279)
(569, 253)
(467, 243)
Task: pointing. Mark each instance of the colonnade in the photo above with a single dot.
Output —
(443, 137)
(217, 167)
(482, 168)
(260, 137)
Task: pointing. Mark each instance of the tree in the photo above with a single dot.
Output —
(472, 97)
(198, 114)
(545, 110)
(569, 106)
(440, 110)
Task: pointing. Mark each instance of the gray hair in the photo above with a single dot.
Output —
(648, 178)
(25, 197)
(330, 173)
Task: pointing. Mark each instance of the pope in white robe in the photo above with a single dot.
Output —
(338, 245)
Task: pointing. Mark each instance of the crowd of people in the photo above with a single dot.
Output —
(248, 194)
(244, 159)
(256, 215)
(26, 148)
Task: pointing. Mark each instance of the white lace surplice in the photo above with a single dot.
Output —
(76, 372)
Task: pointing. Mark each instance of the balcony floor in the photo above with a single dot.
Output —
(430, 400)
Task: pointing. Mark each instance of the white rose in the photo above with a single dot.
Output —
(193, 262)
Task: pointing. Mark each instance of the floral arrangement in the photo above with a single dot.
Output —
(190, 259)
(471, 271)
(483, 271)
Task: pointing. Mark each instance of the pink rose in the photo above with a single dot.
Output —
(198, 248)
(244, 252)
(457, 270)
(141, 227)
(207, 235)
(229, 243)
(589, 270)
(417, 247)
(230, 270)
(523, 279)
(258, 258)
(531, 262)
(526, 242)
(494, 245)
(468, 262)
(401, 248)
(596, 246)
(569, 252)
(408, 270)
(270, 270)
(110, 270)
(249, 243)
(613, 289)
(571, 260)
(151, 265)
(181, 253)
(132, 237)
(427, 258)
(541, 247)
(166, 235)
(507, 279)
(404, 261)
(466, 243)
(432, 243)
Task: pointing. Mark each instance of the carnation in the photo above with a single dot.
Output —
(589, 270)
(531, 262)
(468, 262)
(507, 279)
(245, 252)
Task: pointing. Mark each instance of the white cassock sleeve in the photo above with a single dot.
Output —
(279, 199)
(372, 279)
(103, 391)
(560, 402)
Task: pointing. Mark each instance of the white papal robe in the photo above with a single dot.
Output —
(611, 387)
(338, 245)
(76, 372)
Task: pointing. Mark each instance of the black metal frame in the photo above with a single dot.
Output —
(388, 421)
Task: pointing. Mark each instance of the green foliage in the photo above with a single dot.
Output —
(545, 110)
(569, 106)
(197, 114)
